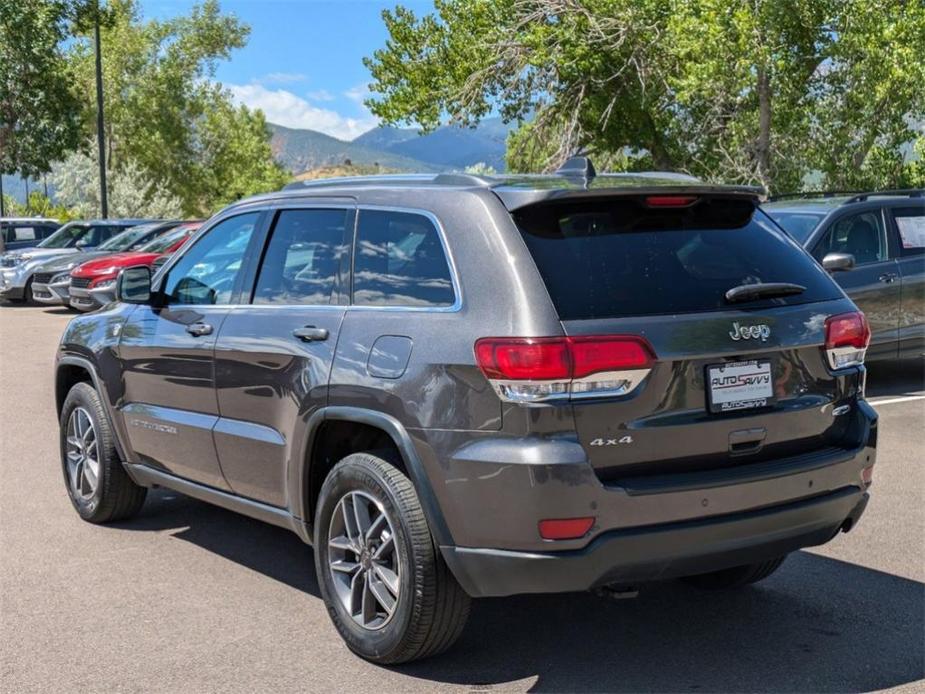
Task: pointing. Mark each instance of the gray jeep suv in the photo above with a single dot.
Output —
(458, 386)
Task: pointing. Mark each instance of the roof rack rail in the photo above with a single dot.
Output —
(797, 195)
(898, 192)
(853, 195)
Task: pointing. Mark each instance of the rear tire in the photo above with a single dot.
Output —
(97, 483)
(735, 577)
(428, 608)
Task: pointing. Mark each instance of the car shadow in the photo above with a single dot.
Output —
(895, 377)
(818, 624)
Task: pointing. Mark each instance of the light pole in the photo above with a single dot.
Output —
(104, 206)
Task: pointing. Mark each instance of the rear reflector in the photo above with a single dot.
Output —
(846, 338)
(565, 528)
(533, 369)
(670, 200)
(867, 475)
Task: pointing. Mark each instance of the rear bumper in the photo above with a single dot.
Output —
(659, 552)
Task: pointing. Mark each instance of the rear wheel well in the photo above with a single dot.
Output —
(67, 376)
(335, 440)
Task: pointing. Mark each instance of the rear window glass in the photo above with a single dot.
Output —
(602, 259)
(798, 224)
(399, 261)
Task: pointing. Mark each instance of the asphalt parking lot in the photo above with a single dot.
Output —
(192, 597)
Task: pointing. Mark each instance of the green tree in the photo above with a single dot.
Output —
(167, 115)
(762, 91)
(40, 110)
(131, 192)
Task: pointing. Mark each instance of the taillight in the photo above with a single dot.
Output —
(670, 200)
(846, 338)
(537, 369)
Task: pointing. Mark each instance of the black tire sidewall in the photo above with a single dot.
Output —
(82, 395)
(352, 474)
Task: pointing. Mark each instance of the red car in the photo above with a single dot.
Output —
(93, 284)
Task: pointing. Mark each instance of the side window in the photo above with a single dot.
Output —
(862, 235)
(399, 261)
(910, 221)
(207, 273)
(25, 234)
(303, 258)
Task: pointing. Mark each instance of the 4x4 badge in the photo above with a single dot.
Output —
(611, 442)
(750, 332)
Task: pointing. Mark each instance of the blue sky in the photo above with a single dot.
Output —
(303, 62)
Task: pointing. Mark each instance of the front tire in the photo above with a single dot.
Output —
(97, 483)
(386, 587)
(736, 576)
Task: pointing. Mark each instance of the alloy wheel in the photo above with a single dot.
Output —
(83, 467)
(363, 560)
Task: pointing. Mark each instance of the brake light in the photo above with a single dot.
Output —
(670, 200)
(565, 528)
(547, 368)
(846, 338)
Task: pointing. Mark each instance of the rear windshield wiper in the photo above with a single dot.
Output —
(763, 290)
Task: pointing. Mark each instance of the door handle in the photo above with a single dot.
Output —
(888, 278)
(311, 334)
(199, 329)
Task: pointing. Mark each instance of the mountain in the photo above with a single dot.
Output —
(447, 148)
(303, 150)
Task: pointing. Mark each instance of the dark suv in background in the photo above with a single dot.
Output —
(24, 232)
(874, 244)
(457, 386)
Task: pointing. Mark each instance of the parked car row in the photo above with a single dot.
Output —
(77, 265)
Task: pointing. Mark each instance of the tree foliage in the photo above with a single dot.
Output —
(40, 110)
(762, 91)
(131, 191)
(167, 115)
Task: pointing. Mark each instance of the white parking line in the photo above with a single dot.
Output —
(890, 401)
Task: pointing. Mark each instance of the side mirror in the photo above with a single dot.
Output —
(133, 286)
(838, 262)
(82, 243)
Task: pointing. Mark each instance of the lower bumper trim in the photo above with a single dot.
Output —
(651, 553)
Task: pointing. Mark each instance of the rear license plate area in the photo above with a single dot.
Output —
(739, 385)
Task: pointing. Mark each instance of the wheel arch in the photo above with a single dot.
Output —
(70, 370)
(376, 431)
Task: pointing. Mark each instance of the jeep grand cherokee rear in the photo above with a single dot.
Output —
(457, 386)
(701, 411)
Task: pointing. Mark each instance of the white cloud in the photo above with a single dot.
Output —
(358, 93)
(320, 95)
(282, 78)
(285, 108)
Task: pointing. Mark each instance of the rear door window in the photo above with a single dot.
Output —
(24, 234)
(604, 259)
(910, 222)
(862, 235)
(304, 256)
(399, 260)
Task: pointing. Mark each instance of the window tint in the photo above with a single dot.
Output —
(910, 221)
(862, 235)
(603, 259)
(303, 259)
(399, 261)
(798, 224)
(207, 273)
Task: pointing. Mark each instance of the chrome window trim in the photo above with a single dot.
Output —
(280, 205)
